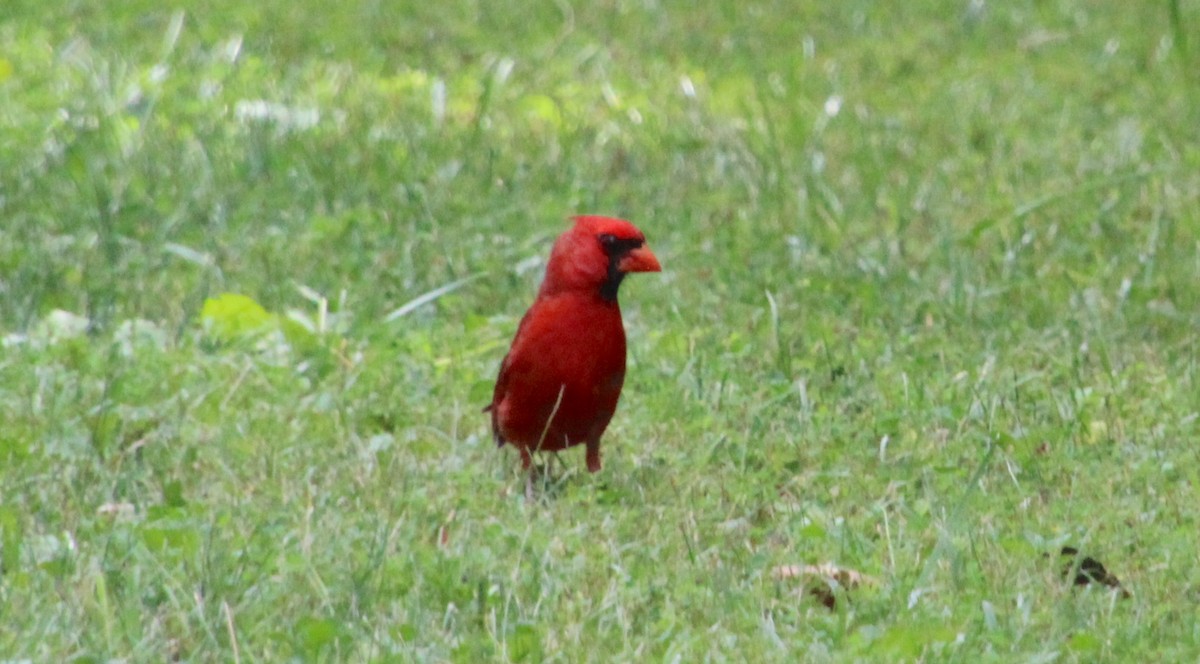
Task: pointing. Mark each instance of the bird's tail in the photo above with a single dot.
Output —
(490, 408)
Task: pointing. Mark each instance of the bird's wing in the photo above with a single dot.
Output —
(501, 388)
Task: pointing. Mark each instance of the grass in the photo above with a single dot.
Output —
(929, 313)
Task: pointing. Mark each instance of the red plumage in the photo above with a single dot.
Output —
(560, 382)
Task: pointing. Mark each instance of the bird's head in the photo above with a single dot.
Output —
(597, 253)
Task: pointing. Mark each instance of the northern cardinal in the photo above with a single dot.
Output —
(559, 384)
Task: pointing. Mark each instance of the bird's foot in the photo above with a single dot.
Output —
(540, 477)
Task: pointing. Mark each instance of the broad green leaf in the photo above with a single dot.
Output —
(231, 316)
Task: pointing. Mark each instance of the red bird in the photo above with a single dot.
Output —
(559, 384)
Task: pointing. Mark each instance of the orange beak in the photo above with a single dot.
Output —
(640, 260)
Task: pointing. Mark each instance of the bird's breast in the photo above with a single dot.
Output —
(568, 359)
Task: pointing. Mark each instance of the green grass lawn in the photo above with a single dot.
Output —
(929, 312)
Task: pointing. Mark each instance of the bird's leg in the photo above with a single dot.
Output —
(593, 455)
(529, 469)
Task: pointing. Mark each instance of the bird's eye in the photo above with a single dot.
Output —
(614, 245)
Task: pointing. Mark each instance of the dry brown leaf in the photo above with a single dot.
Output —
(822, 580)
(1089, 571)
